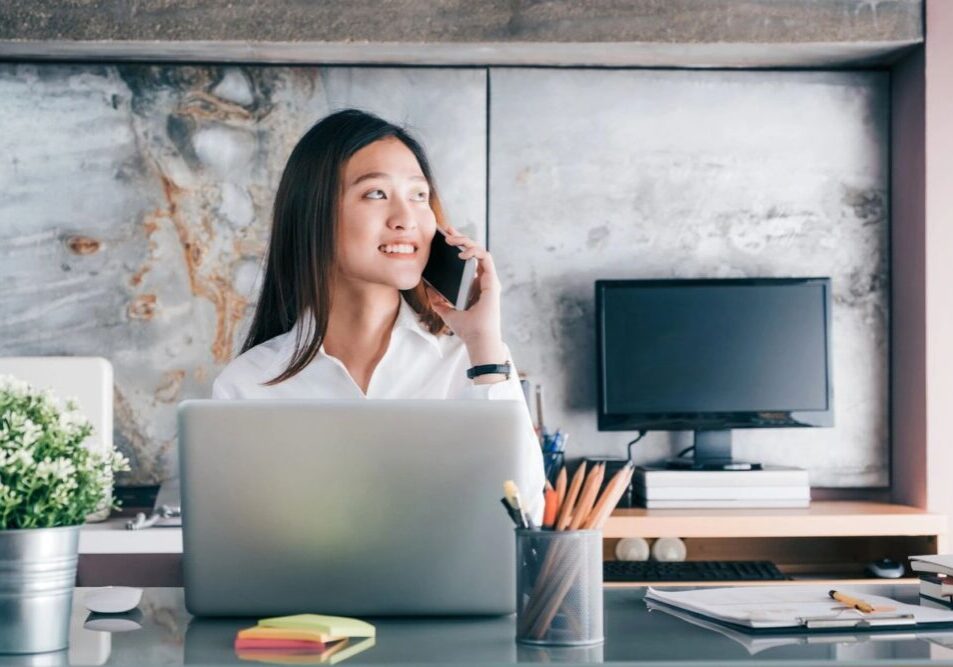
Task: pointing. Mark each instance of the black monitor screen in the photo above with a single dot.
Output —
(732, 346)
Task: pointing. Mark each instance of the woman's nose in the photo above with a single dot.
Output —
(401, 216)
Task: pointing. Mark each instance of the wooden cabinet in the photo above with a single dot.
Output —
(831, 539)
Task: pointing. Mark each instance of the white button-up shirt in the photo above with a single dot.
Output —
(416, 364)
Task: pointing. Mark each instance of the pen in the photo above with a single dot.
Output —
(512, 493)
(514, 516)
(856, 603)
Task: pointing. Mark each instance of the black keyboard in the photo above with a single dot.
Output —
(691, 570)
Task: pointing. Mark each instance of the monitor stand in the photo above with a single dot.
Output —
(712, 452)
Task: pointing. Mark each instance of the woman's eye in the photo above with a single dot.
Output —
(422, 196)
(375, 194)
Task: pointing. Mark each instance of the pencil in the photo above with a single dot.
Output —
(588, 496)
(549, 513)
(610, 496)
(560, 487)
(565, 510)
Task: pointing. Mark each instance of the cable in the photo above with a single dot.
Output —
(640, 436)
(684, 452)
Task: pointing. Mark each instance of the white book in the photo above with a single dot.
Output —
(725, 493)
(939, 563)
(936, 603)
(938, 586)
(723, 504)
(651, 476)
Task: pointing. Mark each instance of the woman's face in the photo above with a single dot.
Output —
(385, 223)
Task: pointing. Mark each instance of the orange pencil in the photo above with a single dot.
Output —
(560, 487)
(549, 514)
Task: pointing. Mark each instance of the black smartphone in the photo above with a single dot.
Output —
(447, 273)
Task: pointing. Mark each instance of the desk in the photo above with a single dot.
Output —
(634, 635)
(833, 539)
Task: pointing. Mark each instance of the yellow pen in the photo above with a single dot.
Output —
(856, 603)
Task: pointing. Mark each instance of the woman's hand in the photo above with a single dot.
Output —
(479, 325)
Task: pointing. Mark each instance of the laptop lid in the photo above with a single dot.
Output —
(355, 507)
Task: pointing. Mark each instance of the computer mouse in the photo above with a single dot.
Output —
(114, 622)
(112, 599)
(885, 569)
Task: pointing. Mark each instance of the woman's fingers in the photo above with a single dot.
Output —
(488, 277)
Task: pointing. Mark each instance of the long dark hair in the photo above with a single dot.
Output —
(300, 261)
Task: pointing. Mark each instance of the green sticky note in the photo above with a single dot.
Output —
(336, 626)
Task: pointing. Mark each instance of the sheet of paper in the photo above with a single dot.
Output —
(787, 606)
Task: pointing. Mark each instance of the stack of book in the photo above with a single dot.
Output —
(936, 579)
(304, 639)
(772, 486)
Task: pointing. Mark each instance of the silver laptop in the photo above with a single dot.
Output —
(354, 507)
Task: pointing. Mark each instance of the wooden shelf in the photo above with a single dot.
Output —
(821, 519)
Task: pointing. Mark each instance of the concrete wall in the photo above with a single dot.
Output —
(137, 197)
(658, 174)
(135, 210)
(455, 21)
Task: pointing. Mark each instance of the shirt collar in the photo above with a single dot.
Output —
(407, 319)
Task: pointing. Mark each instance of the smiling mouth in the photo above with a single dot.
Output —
(406, 249)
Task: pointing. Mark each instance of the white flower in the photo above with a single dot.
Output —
(10, 384)
(31, 433)
(23, 457)
(71, 420)
(58, 469)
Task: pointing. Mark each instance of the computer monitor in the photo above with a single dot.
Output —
(713, 355)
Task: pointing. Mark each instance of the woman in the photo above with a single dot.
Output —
(343, 312)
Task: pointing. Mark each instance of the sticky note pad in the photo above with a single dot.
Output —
(299, 633)
(336, 626)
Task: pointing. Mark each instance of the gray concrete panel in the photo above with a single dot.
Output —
(632, 174)
(136, 208)
(460, 21)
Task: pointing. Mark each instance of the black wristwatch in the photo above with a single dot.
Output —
(505, 369)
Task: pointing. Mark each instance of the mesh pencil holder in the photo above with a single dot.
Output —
(559, 587)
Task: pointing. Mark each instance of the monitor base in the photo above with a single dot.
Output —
(689, 463)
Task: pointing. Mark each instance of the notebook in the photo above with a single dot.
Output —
(756, 642)
(797, 608)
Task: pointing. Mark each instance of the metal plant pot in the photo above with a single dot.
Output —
(37, 577)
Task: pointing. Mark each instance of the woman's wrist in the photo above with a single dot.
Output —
(487, 351)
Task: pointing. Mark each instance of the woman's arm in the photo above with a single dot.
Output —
(479, 328)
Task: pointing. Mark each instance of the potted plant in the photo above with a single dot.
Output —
(49, 483)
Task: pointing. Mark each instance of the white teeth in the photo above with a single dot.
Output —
(399, 248)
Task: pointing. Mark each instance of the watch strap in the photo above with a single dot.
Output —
(489, 369)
